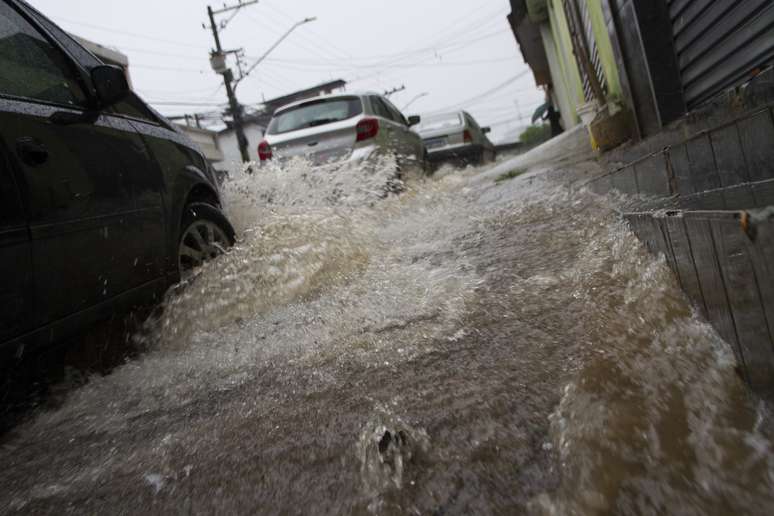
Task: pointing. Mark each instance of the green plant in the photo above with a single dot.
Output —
(536, 134)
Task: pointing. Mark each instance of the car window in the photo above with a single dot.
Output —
(315, 113)
(471, 121)
(396, 114)
(134, 107)
(381, 109)
(131, 106)
(31, 66)
(432, 123)
(80, 54)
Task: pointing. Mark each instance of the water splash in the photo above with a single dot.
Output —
(387, 449)
(522, 349)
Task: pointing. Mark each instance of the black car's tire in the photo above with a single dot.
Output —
(205, 233)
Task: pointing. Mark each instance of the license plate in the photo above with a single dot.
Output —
(435, 143)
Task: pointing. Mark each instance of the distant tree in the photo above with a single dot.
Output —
(536, 134)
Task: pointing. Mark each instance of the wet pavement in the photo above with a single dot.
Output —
(468, 347)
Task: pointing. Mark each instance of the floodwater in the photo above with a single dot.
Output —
(466, 347)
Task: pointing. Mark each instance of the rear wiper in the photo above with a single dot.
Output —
(322, 121)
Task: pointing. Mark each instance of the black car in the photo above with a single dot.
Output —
(103, 204)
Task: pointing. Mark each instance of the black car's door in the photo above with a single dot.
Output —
(16, 293)
(75, 179)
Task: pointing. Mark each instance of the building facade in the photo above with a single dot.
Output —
(652, 61)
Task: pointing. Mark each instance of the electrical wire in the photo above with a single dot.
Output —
(487, 93)
(157, 53)
(294, 41)
(319, 39)
(169, 68)
(439, 64)
(457, 36)
(134, 34)
(183, 103)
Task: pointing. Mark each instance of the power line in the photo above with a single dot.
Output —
(285, 81)
(393, 60)
(157, 53)
(452, 31)
(318, 38)
(510, 119)
(182, 103)
(178, 92)
(439, 64)
(432, 48)
(382, 73)
(435, 51)
(294, 41)
(447, 48)
(134, 34)
(168, 68)
(486, 93)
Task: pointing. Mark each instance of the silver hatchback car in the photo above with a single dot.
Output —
(342, 127)
(456, 136)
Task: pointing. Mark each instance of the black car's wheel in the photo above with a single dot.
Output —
(205, 234)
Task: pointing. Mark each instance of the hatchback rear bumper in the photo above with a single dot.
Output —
(356, 155)
(458, 152)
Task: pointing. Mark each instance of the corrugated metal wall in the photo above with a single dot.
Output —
(720, 42)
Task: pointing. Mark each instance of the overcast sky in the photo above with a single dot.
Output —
(456, 51)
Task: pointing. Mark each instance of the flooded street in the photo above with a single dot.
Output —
(470, 346)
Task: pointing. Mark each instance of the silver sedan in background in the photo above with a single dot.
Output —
(340, 128)
(456, 136)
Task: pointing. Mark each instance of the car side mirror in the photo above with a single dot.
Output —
(414, 120)
(110, 84)
(486, 130)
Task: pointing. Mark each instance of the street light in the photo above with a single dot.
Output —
(425, 94)
(275, 45)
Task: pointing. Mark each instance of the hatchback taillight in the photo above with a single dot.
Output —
(467, 136)
(264, 150)
(367, 128)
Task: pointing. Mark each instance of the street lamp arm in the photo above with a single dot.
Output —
(425, 94)
(275, 45)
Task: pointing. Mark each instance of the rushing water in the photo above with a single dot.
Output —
(466, 347)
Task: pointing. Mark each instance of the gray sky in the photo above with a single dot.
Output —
(454, 50)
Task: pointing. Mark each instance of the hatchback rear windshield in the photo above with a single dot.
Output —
(440, 122)
(315, 113)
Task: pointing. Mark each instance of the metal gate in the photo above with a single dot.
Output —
(720, 43)
(586, 52)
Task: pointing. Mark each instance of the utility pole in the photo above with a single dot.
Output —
(218, 61)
